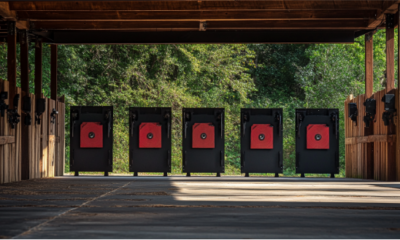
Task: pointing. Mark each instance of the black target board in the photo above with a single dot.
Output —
(150, 140)
(91, 139)
(317, 141)
(261, 141)
(203, 140)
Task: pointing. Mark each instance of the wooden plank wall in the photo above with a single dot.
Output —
(46, 149)
(383, 140)
(356, 152)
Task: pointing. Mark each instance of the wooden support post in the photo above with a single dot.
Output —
(24, 45)
(12, 61)
(368, 161)
(9, 154)
(24, 59)
(53, 84)
(369, 64)
(398, 111)
(52, 151)
(38, 67)
(389, 52)
(390, 171)
(38, 94)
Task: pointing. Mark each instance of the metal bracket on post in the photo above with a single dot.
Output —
(369, 35)
(13, 116)
(203, 26)
(53, 115)
(389, 20)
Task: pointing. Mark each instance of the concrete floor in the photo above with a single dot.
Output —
(199, 207)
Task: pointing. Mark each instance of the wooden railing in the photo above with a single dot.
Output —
(370, 153)
(46, 143)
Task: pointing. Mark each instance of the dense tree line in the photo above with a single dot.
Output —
(229, 76)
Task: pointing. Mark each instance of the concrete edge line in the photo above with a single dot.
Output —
(37, 227)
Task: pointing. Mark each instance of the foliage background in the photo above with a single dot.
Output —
(229, 76)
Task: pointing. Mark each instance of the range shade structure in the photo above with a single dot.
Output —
(91, 139)
(150, 140)
(203, 140)
(261, 141)
(317, 141)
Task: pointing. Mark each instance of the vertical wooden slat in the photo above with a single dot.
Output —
(6, 148)
(17, 145)
(44, 145)
(2, 133)
(377, 145)
(51, 139)
(60, 160)
(62, 138)
(33, 148)
(354, 146)
(37, 145)
(346, 132)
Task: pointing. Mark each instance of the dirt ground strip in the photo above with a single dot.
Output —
(199, 207)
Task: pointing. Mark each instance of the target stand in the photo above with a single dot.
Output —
(91, 139)
(203, 148)
(150, 140)
(261, 141)
(317, 141)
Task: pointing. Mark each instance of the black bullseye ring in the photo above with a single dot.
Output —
(149, 135)
(203, 136)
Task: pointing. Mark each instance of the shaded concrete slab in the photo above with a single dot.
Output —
(199, 207)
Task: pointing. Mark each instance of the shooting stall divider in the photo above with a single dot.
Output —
(371, 156)
(46, 146)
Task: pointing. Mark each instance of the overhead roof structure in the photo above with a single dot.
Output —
(209, 21)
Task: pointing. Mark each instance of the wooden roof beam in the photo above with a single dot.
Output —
(195, 37)
(200, 5)
(392, 9)
(197, 15)
(194, 25)
(9, 15)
